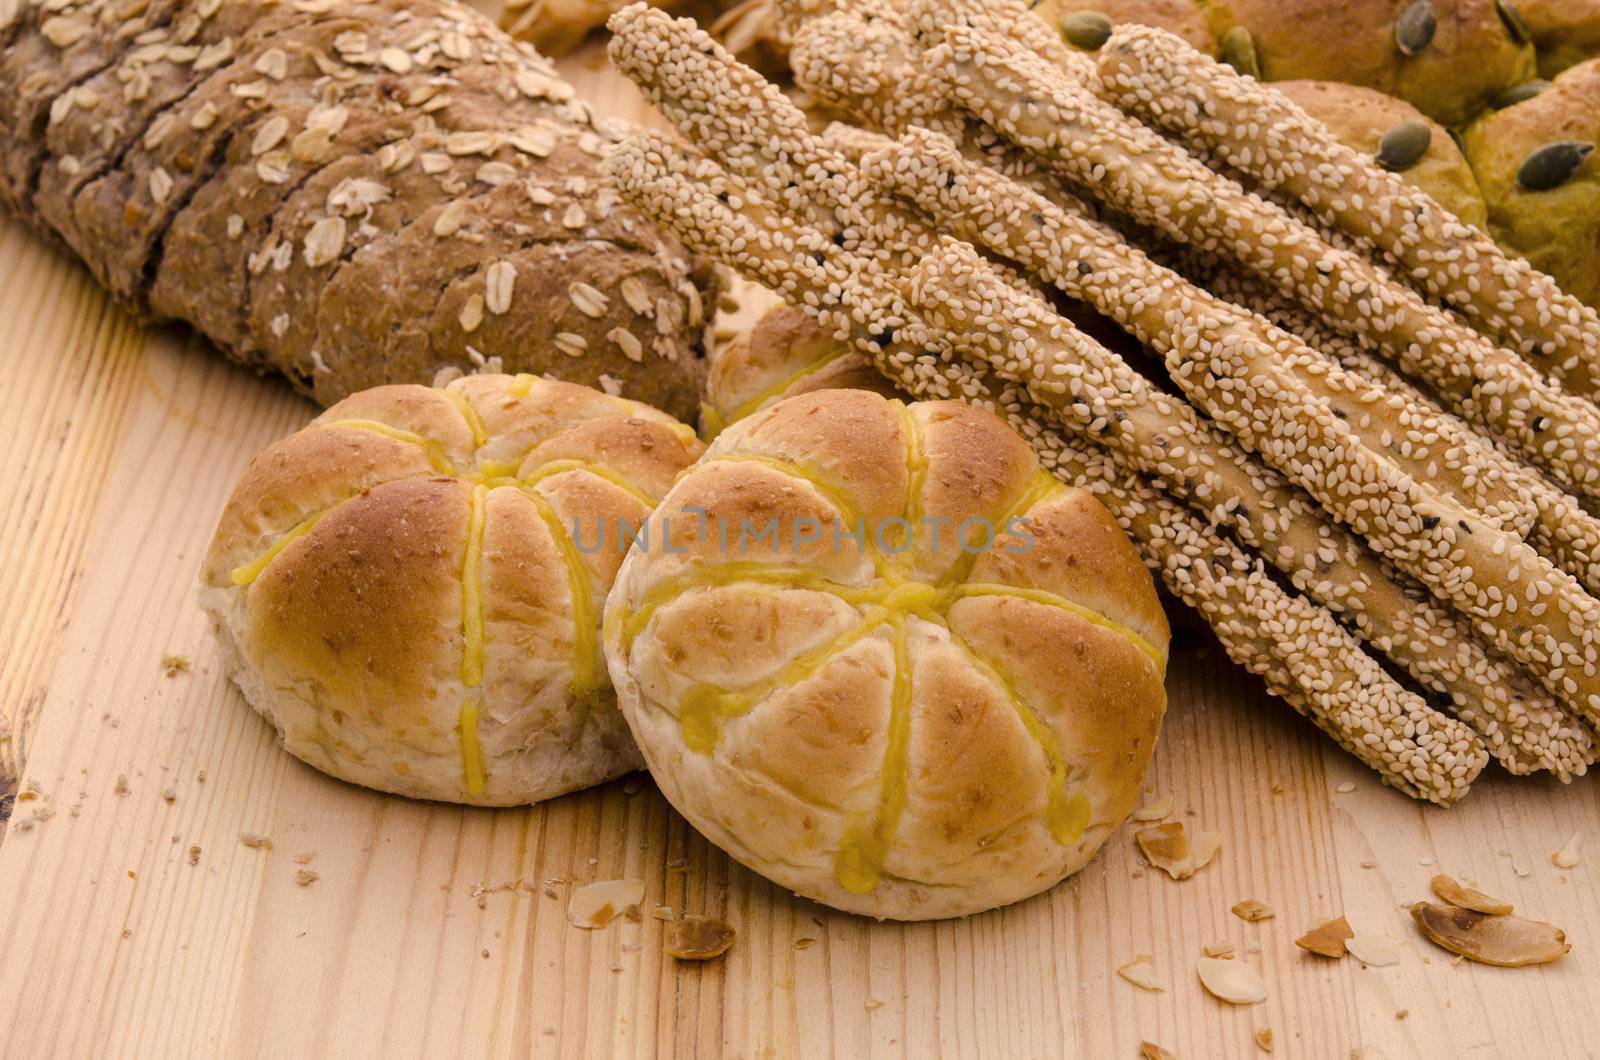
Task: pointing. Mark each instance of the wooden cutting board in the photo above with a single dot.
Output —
(133, 920)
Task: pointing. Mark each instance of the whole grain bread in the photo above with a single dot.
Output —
(351, 193)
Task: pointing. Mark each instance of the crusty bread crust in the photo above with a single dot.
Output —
(400, 590)
(350, 193)
(915, 733)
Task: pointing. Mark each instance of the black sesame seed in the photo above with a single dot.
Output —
(822, 259)
(1430, 521)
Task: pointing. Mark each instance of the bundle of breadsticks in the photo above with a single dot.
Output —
(1361, 442)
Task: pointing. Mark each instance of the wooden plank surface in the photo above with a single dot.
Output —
(440, 930)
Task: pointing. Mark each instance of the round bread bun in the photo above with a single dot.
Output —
(1359, 117)
(1565, 32)
(1557, 230)
(1473, 53)
(411, 588)
(784, 352)
(1183, 17)
(911, 726)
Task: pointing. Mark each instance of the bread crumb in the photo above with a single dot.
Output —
(306, 877)
(305, 857)
(1567, 857)
(255, 840)
(1345, 788)
(121, 787)
(174, 664)
(194, 855)
(169, 794)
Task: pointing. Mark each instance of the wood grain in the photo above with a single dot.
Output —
(439, 930)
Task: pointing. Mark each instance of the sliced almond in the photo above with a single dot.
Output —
(1232, 981)
(1152, 1051)
(1154, 810)
(1264, 1039)
(594, 905)
(1253, 911)
(1567, 857)
(1326, 940)
(1141, 972)
(1452, 892)
(699, 938)
(1376, 950)
(1167, 847)
(1504, 941)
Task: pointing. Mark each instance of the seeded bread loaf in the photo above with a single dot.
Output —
(410, 588)
(352, 193)
(1536, 165)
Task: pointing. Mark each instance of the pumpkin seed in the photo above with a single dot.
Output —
(1553, 164)
(1514, 94)
(1414, 29)
(1086, 29)
(1404, 145)
(1514, 22)
(1239, 52)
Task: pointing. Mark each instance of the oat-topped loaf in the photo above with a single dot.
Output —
(411, 587)
(350, 193)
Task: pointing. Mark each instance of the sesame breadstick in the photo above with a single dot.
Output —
(1158, 77)
(1135, 170)
(1522, 725)
(1304, 655)
(1563, 531)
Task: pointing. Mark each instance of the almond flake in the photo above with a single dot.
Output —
(594, 905)
(325, 241)
(273, 63)
(1141, 972)
(628, 343)
(589, 300)
(1326, 940)
(1253, 911)
(1456, 893)
(699, 938)
(499, 281)
(1504, 941)
(160, 185)
(450, 219)
(269, 135)
(1232, 981)
(471, 313)
(496, 173)
(471, 143)
(396, 59)
(1167, 847)
(1154, 810)
(1567, 857)
(1378, 951)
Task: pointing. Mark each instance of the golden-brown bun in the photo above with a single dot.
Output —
(1565, 32)
(1183, 17)
(785, 352)
(399, 589)
(913, 734)
(1558, 230)
(1358, 117)
(1472, 56)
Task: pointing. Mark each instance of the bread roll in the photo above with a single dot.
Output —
(913, 725)
(784, 352)
(1359, 117)
(1565, 32)
(1183, 17)
(351, 193)
(410, 588)
(1472, 53)
(1556, 228)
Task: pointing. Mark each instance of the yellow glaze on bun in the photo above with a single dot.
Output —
(411, 587)
(894, 724)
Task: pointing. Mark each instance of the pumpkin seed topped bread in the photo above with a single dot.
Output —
(1424, 155)
(1565, 32)
(410, 589)
(1535, 164)
(349, 193)
(1183, 17)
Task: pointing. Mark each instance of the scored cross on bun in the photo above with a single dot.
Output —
(410, 588)
(876, 654)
